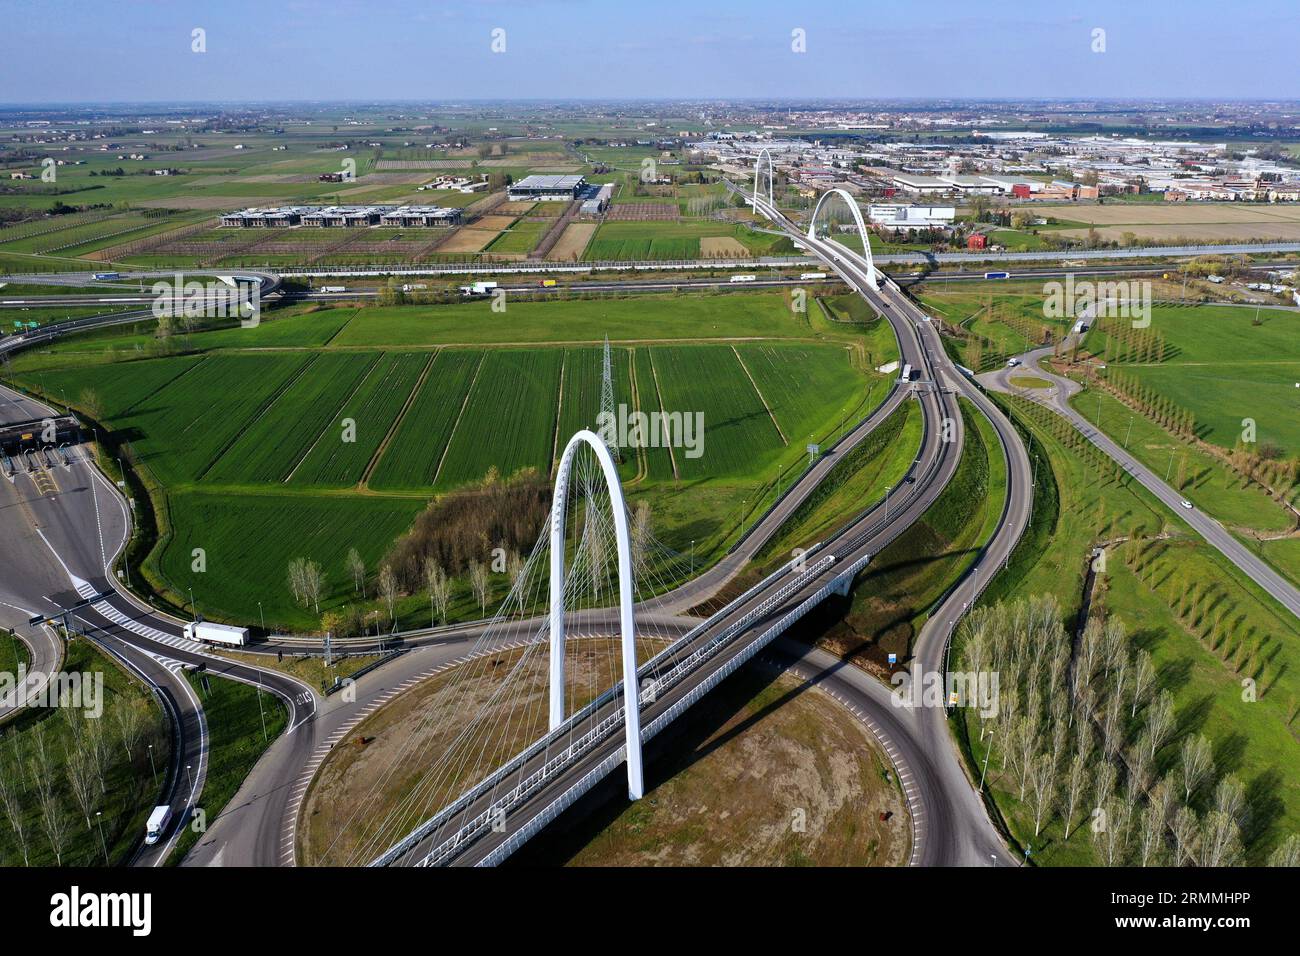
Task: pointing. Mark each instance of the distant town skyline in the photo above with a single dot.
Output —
(284, 50)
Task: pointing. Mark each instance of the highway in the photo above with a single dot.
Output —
(545, 779)
(956, 811)
(1057, 398)
(862, 538)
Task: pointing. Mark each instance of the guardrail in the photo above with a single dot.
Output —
(528, 753)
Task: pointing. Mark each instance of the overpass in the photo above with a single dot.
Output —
(501, 812)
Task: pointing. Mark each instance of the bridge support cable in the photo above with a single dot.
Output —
(609, 561)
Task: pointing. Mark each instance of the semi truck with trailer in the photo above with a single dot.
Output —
(205, 632)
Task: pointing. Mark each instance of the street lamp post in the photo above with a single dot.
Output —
(985, 768)
(152, 765)
(888, 489)
(99, 819)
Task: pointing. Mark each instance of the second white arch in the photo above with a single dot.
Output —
(857, 218)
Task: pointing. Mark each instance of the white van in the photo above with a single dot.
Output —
(157, 825)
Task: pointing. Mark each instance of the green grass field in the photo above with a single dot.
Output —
(632, 319)
(1206, 627)
(320, 441)
(1224, 369)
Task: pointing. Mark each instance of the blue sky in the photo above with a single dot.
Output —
(133, 50)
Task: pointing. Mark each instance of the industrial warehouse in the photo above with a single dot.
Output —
(547, 188)
(342, 216)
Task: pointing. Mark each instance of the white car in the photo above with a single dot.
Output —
(1186, 504)
(1012, 363)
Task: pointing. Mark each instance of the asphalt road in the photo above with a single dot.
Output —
(1057, 398)
(955, 813)
(64, 527)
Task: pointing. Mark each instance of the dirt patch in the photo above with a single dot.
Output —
(766, 773)
(804, 782)
(468, 240)
(509, 208)
(1171, 213)
(495, 223)
(722, 247)
(1263, 230)
(643, 212)
(372, 771)
(572, 242)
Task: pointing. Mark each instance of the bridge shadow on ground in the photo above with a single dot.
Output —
(683, 744)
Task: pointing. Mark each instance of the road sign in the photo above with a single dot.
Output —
(893, 658)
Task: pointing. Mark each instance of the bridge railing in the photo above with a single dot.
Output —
(466, 799)
(610, 725)
(592, 777)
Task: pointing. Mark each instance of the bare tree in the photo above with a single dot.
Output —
(1111, 831)
(515, 568)
(130, 725)
(478, 581)
(1042, 779)
(11, 804)
(1112, 726)
(297, 579)
(1139, 764)
(97, 751)
(1144, 679)
(313, 583)
(1220, 840)
(1160, 721)
(1230, 799)
(439, 587)
(388, 590)
(1197, 766)
(1076, 779)
(1186, 835)
(356, 568)
(1151, 835)
(1287, 853)
(1104, 783)
(81, 778)
(54, 821)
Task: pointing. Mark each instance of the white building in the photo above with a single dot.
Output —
(900, 216)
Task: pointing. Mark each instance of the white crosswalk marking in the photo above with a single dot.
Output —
(86, 590)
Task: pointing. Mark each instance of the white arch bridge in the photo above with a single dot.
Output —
(551, 719)
(826, 203)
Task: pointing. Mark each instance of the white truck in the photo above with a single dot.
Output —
(478, 288)
(333, 288)
(744, 278)
(812, 275)
(157, 825)
(205, 632)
